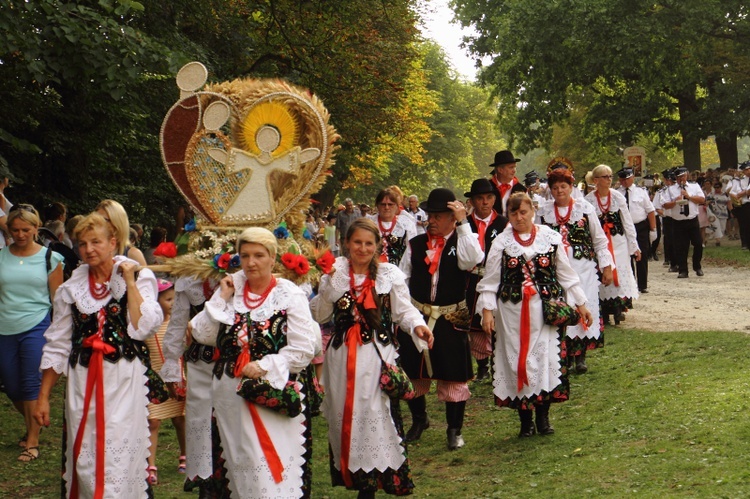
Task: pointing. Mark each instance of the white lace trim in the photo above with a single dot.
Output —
(57, 363)
(388, 274)
(545, 238)
(76, 289)
(280, 298)
(580, 208)
(193, 289)
(617, 201)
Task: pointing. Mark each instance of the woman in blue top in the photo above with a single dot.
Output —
(27, 285)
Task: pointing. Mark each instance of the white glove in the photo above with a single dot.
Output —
(652, 235)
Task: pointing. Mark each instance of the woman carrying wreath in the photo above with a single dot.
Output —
(524, 261)
(586, 248)
(616, 298)
(396, 228)
(264, 331)
(102, 315)
(365, 430)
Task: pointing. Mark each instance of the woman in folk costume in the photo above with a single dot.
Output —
(396, 228)
(586, 248)
(263, 329)
(102, 315)
(612, 209)
(365, 298)
(524, 260)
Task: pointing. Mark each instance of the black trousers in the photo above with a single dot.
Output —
(687, 232)
(743, 222)
(641, 267)
(668, 235)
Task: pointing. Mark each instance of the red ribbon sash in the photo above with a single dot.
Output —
(610, 246)
(266, 444)
(523, 378)
(94, 380)
(353, 341)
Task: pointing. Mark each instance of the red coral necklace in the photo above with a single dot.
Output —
(604, 207)
(560, 219)
(528, 242)
(256, 302)
(98, 291)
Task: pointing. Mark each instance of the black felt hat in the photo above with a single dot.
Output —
(504, 158)
(480, 186)
(438, 200)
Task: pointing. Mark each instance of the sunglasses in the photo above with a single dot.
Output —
(604, 176)
(22, 207)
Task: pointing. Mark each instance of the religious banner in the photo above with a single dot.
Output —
(635, 158)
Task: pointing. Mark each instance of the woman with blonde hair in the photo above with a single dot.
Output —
(103, 314)
(114, 213)
(29, 277)
(264, 331)
(612, 209)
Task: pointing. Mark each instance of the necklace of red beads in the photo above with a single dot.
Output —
(604, 207)
(252, 303)
(529, 241)
(559, 218)
(98, 291)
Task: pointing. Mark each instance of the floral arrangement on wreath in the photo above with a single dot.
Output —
(244, 153)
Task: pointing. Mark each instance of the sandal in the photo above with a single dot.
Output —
(182, 468)
(22, 440)
(153, 478)
(27, 455)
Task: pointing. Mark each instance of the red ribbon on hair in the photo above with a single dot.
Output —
(610, 246)
(94, 379)
(266, 444)
(523, 378)
(436, 244)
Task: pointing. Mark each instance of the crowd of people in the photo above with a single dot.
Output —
(518, 282)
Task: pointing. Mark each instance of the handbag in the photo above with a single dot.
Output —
(393, 380)
(557, 312)
(286, 401)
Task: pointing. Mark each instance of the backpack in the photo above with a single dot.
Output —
(69, 256)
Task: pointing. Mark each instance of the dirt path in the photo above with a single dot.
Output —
(715, 302)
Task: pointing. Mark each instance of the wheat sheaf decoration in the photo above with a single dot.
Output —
(247, 152)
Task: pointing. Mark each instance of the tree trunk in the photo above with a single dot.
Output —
(691, 141)
(726, 145)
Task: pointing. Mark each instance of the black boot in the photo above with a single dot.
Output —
(542, 420)
(419, 421)
(483, 369)
(527, 423)
(366, 494)
(581, 366)
(454, 416)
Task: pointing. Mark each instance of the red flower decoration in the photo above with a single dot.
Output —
(167, 250)
(223, 262)
(543, 261)
(513, 263)
(289, 260)
(302, 266)
(325, 262)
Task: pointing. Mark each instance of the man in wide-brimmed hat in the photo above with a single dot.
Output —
(437, 265)
(487, 224)
(644, 218)
(504, 179)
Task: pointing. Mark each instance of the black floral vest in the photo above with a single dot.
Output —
(115, 334)
(198, 351)
(343, 319)
(395, 248)
(614, 218)
(544, 275)
(265, 337)
(579, 237)
(451, 288)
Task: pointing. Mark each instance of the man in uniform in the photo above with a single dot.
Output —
(739, 191)
(487, 224)
(437, 266)
(684, 200)
(644, 218)
(504, 179)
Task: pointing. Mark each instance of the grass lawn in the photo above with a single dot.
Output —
(658, 414)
